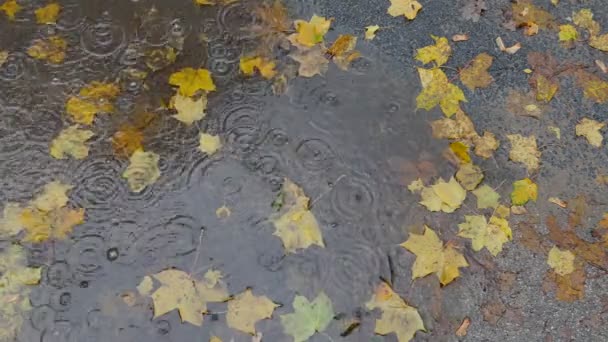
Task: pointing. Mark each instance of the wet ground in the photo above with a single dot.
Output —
(351, 139)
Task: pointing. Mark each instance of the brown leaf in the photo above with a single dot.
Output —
(464, 326)
(531, 18)
(475, 74)
(493, 311)
(594, 87)
(531, 239)
(473, 10)
(127, 140)
(578, 211)
(525, 105)
(567, 288)
(593, 253)
(544, 79)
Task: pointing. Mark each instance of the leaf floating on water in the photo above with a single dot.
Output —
(53, 196)
(490, 235)
(157, 59)
(406, 8)
(57, 224)
(397, 315)
(308, 317)
(127, 140)
(178, 291)
(476, 75)
(188, 109)
(266, 68)
(190, 81)
(590, 129)
(310, 33)
(438, 53)
(524, 150)
(343, 51)
(524, 190)
(10, 8)
(10, 223)
(432, 256)
(245, 310)
(51, 49)
(312, 61)
(209, 143)
(71, 142)
(142, 170)
(295, 224)
(92, 99)
(48, 14)
(16, 282)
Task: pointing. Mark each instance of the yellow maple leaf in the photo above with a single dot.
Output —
(469, 176)
(432, 256)
(523, 191)
(416, 186)
(567, 33)
(246, 309)
(159, 58)
(437, 90)
(190, 81)
(584, 19)
(209, 143)
(142, 170)
(370, 31)
(265, 67)
(127, 140)
(57, 224)
(10, 8)
(189, 109)
(594, 87)
(53, 196)
(458, 127)
(562, 262)
(310, 33)
(475, 74)
(461, 150)
(407, 8)
(343, 51)
(312, 61)
(397, 315)
(485, 144)
(442, 196)
(590, 129)
(524, 150)
(545, 88)
(439, 52)
(490, 235)
(51, 49)
(599, 42)
(94, 98)
(179, 291)
(71, 141)
(295, 225)
(48, 14)
(486, 197)
(10, 223)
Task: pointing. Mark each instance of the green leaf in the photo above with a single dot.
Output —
(308, 317)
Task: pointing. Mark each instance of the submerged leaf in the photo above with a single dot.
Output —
(486, 197)
(397, 315)
(127, 140)
(567, 33)
(312, 61)
(142, 170)
(48, 14)
(594, 87)
(189, 109)
(308, 317)
(443, 196)
(469, 176)
(432, 256)
(51, 49)
(53, 196)
(10, 8)
(584, 19)
(71, 141)
(57, 224)
(246, 309)
(562, 262)
(209, 143)
(264, 66)
(92, 99)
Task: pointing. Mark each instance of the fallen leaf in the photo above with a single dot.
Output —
(524, 150)
(416, 186)
(522, 104)
(312, 61)
(594, 87)
(493, 311)
(213, 338)
(530, 17)
(407, 8)
(342, 50)
(189, 109)
(567, 33)
(475, 74)
(473, 9)
(600, 64)
(523, 191)
(460, 38)
(310, 33)
(71, 142)
(461, 151)
(51, 49)
(432, 256)
(556, 131)
(557, 201)
(502, 211)
(295, 224)
(142, 170)
(308, 317)
(245, 310)
(469, 176)
(178, 291)
(397, 316)
(584, 19)
(442, 196)
(439, 53)
(518, 210)
(57, 224)
(127, 140)
(578, 211)
(264, 66)
(160, 58)
(458, 127)
(490, 235)
(223, 212)
(437, 90)
(486, 144)
(590, 129)
(486, 197)
(370, 31)
(3, 57)
(190, 81)
(10, 223)
(48, 14)
(568, 288)
(593, 253)
(10, 8)
(209, 143)
(562, 262)
(16, 282)
(53, 196)
(464, 326)
(92, 99)
(544, 78)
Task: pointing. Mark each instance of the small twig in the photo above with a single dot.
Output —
(198, 251)
(327, 191)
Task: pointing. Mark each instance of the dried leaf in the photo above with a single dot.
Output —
(71, 142)
(473, 10)
(397, 316)
(190, 81)
(312, 61)
(407, 8)
(142, 170)
(127, 140)
(594, 87)
(557, 201)
(524, 150)
(460, 38)
(308, 317)
(486, 197)
(370, 31)
(590, 129)
(48, 14)
(584, 19)
(530, 17)
(439, 53)
(475, 74)
(437, 90)
(525, 105)
(432, 256)
(464, 326)
(523, 191)
(209, 144)
(92, 99)
(264, 66)
(486, 144)
(469, 176)
(490, 235)
(246, 309)
(51, 49)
